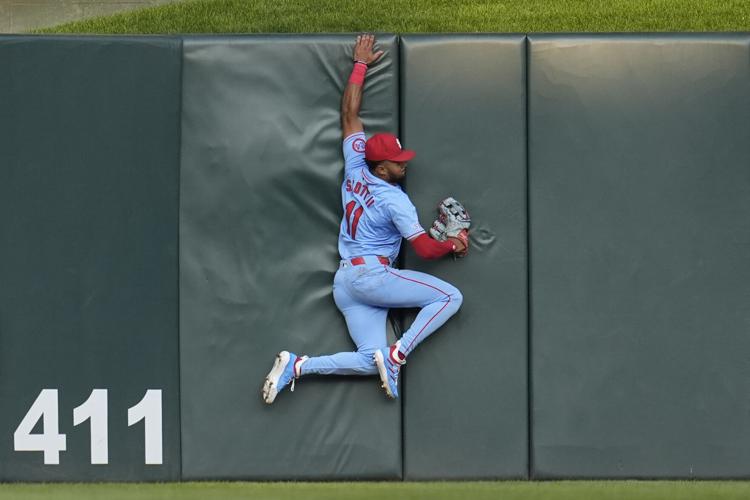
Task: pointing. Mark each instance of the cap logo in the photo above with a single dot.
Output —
(399, 143)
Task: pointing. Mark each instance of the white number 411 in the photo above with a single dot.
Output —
(94, 409)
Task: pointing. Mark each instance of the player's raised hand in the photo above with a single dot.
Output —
(363, 49)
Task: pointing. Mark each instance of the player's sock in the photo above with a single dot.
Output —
(298, 366)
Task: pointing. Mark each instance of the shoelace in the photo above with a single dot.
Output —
(291, 388)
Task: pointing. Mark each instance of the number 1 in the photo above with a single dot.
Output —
(149, 409)
(352, 223)
(95, 408)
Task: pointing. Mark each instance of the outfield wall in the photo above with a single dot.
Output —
(169, 209)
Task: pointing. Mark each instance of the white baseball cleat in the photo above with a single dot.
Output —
(286, 368)
(389, 365)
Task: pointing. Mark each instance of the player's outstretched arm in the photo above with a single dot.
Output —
(352, 99)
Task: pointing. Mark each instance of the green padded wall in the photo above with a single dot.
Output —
(89, 158)
(640, 194)
(260, 212)
(465, 388)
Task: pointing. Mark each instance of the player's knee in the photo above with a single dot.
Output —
(453, 293)
(451, 298)
(367, 352)
(455, 298)
(458, 298)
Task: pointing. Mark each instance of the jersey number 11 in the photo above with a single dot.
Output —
(353, 222)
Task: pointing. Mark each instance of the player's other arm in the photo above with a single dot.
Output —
(404, 216)
(352, 98)
(430, 249)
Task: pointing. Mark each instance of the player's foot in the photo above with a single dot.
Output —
(389, 365)
(286, 368)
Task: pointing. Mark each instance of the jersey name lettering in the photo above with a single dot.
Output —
(361, 189)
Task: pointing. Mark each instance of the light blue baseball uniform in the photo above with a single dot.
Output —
(377, 215)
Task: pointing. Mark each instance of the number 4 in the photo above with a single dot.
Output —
(49, 441)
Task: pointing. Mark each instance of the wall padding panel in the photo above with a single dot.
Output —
(260, 212)
(89, 159)
(640, 236)
(465, 388)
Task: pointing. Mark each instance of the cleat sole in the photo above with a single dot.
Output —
(270, 389)
(383, 373)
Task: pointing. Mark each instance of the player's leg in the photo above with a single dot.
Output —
(437, 299)
(367, 329)
(366, 324)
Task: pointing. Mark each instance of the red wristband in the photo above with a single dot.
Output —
(358, 73)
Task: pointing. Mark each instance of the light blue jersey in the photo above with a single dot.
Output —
(376, 214)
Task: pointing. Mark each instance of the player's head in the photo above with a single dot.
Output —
(386, 158)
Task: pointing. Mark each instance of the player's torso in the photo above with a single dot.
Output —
(366, 225)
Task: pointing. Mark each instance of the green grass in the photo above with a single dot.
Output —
(412, 16)
(510, 490)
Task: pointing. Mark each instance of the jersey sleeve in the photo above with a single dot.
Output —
(354, 151)
(404, 216)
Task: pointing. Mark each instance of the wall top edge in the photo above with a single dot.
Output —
(88, 37)
(656, 35)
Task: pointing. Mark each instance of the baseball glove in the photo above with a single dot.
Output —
(453, 221)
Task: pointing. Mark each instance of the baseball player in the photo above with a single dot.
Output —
(377, 215)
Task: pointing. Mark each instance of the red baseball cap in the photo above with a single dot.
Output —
(381, 147)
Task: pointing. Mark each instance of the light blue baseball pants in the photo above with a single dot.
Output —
(364, 293)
